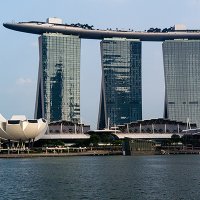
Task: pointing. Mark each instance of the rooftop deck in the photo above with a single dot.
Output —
(88, 32)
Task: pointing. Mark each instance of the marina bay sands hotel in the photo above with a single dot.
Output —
(58, 88)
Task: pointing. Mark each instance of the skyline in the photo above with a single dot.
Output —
(20, 59)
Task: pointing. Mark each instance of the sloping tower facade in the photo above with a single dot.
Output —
(182, 80)
(121, 87)
(58, 89)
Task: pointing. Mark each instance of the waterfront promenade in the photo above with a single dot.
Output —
(65, 152)
(57, 152)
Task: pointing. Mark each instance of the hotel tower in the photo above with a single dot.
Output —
(121, 87)
(58, 89)
(182, 80)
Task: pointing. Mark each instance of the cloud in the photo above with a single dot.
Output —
(24, 81)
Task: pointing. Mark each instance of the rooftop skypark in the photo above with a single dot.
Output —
(55, 25)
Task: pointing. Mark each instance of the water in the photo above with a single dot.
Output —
(101, 177)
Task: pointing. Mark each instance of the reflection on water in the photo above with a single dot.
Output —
(106, 177)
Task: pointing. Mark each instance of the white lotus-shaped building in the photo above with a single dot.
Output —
(19, 128)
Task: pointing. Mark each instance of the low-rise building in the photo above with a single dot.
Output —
(67, 127)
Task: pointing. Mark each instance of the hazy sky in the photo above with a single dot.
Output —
(19, 51)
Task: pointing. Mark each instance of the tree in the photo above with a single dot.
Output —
(175, 138)
(94, 139)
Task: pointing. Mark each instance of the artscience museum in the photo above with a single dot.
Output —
(19, 128)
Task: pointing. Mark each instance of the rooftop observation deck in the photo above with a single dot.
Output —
(88, 32)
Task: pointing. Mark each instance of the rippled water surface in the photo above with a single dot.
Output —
(101, 177)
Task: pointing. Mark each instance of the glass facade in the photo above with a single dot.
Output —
(121, 90)
(182, 80)
(58, 91)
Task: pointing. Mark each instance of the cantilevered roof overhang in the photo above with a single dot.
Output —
(41, 27)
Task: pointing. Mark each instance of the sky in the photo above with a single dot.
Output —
(19, 52)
